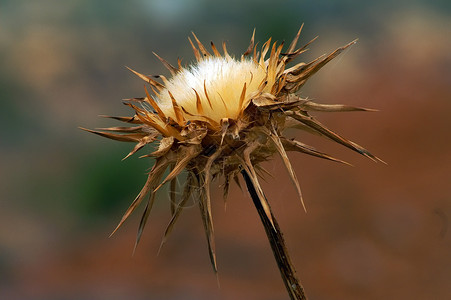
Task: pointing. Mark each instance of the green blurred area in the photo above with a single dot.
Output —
(62, 65)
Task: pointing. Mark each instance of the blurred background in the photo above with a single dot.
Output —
(372, 231)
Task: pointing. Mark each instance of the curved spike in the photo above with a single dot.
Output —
(281, 83)
(196, 52)
(207, 179)
(143, 221)
(172, 191)
(213, 124)
(295, 40)
(206, 95)
(165, 80)
(272, 62)
(148, 79)
(177, 110)
(276, 140)
(224, 48)
(200, 109)
(150, 119)
(155, 106)
(251, 46)
(207, 172)
(215, 50)
(226, 109)
(307, 73)
(255, 55)
(250, 171)
(168, 66)
(242, 106)
(154, 177)
(135, 129)
(310, 105)
(323, 130)
(133, 120)
(208, 226)
(292, 55)
(118, 137)
(179, 64)
(265, 49)
(201, 46)
(293, 145)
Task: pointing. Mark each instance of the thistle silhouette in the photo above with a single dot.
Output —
(222, 117)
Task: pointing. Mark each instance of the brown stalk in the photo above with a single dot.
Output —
(275, 237)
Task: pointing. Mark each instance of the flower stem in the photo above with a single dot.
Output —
(275, 237)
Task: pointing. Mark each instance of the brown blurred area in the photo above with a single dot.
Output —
(372, 231)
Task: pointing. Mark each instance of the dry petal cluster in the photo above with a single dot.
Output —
(220, 117)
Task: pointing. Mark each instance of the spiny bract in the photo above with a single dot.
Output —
(222, 116)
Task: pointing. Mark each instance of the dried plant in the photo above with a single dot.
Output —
(223, 117)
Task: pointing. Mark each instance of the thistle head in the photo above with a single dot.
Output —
(221, 116)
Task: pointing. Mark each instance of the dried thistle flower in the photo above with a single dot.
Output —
(221, 117)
